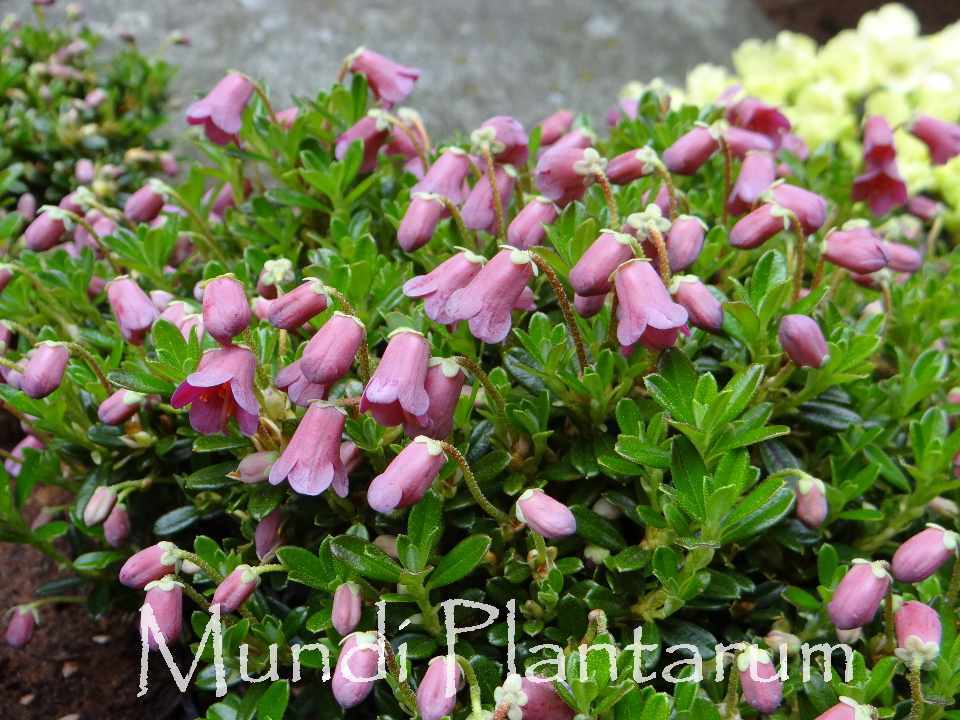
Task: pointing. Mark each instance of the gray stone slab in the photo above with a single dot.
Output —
(480, 58)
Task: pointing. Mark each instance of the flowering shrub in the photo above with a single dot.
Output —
(582, 425)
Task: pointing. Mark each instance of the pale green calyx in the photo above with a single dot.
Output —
(448, 366)
(409, 115)
(471, 256)
(878, 567)
(404, 329)
(353, 588)
(620, 237)
(648, 156)
(592, 164)
(915, 646)
(677, 279)
(169, 556)
(855, 223)
(485, 138)
(249, 574)
(781, 212)
(861, 712)
(382, 117)
(433, 446)
(277, 271)
(159, 187)
(166, 583)
(806, 484)
(132, 398)
(744, 658)
(652, 216)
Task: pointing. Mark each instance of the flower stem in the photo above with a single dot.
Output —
(421, 153)
(568, 315)
(798, 266)
(671, 190)
(196, 597)
(954, 588)
(409, 698)
(209, 240)
(363, 354)
(733, 688)
(21, 330)
(488, 386)
(467, 236)
(614, 219)
(86, 356)
(541, 545)
(888, 622)
(501, 517)
(662, 256)
(612, 329)
(471, 677)
(258, 89)
(56, 599)
(916, 692)
(727, 180)
(818, 273)
(495, 192)
(200, 563)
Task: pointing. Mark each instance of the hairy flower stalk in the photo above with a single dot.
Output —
(568, 314)
(501, 517)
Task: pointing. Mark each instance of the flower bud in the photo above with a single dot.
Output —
(387, 543)
(812, 506)
(543, 702)
(690, 151)
(150, 564)
(647, 313)
(27, 206)
(330, 353)
(165, 598)
(44, 372)
(439, 284)
(629, 166)
(803, 341)
(255, 467)
(903, 258)
(445, 177)
(123, 405)
(742, 142)
(857, 250)
(756, 175)
(389, 81)
(420, 221)
(396, 392)
(21, 626)
(299, 305)
(133, 309)
(43, 233)
(99, 506)
(546, 516)
(556, 177)
(437, 693)
(221, 111)
(591, 275)
(408, 477)
(923, 554)
(684, 242)
(942, 138)
(527, 228)
(754, 229)
(84, 171)
(704, 311)
(508, 133)
(11, 465)
(357, 669)
(776, 638)
(555, 127)
(351, 456)
(588, 306)
(478, 209)
(367, 131)
(347, 606)
(236, 589)
(144, 205)
(226, 313)
(758, 680)
(944, 507)
(859, 594)
(810, 208)
(918, 631)
(116, 528)
(267, 538)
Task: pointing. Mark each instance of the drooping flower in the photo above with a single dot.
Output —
(445, 177)
(43, 233)
(408, 476)
(509, 140)
(396, 391)
(919, 631)
(443, 384)
(588, 305)
(924, 208)
(44, 371)
(99, 506)
(812, 506)
(809, 207)
(116, 528)
(330, 353)
(299, 305)
(684, 242)
(489, 298)
(556, 177)
(758, 679)
(755, 228)
(439, 284)
(357, 669)
(690, 151)
(881, 188)
(942, 138)
(647, 313)
(133, 309)
(803, 341)
(847, 709)
(235, 589)
(756, 175)
(704, 311)
(923, 554)
(371, 133)
(255, 467)
(13, 464)
(545, 516)
(478, 210)
(878, 149)
(297, 387)
(150, 564)
(859, 594)
(221, 111)
(626, 108)
(389, 81)
(554, 127)
(311, 462)
(591, 275)
(742, 142)
(903, 258)
(755, 115)
(22, 624)
(631, 165)
(347, 606)
(267, 538)
(420, 221)
(273, 273)
(437, 693)
(144, 205)
(221, 387)
(527, 228)
(857, 249)
(165, 599)
(226, 312)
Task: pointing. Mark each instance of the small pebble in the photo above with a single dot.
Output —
(71, 716)
(69, 668)
(27, 699)
(101, 639)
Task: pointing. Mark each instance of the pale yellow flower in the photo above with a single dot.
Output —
(706, 82)
(774, 71)
(846, 59)
(893, 105)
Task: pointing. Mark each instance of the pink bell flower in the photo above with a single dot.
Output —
(478, 211)
(221, 387)
(690, 151)
(347, 607)
(489, 298)
(859, 594)
(43, 233)
(443, 384)
(221, 111)
(439, 284)
(357, 669)
(556, 177)
(99, 506)
(286, 117)
(742, 142)
(44, 371)
(857, 249)
(266, 537)
(756, 175)
(144, 205)
(554, 127)
(527, 228)
(878, 149)
(27, 206)
(84, 171)
(95, 98)
(150, 564)
(134, 311)
(396, 392)
(28, 443)
(508, 133)
(755, 115)
(299, 305)
(311, 462)
(903, 258)
(165, 598)
(754, 229)
(589, 305)
(330, 353)
(629, 166)
(812, 508)
(116, 528)
(408, 477)
(919, 631)
(543, 700)
(758, 681)
(704, 311)
(626, 108)
(924, 208)
(420, 221)
(942, 138)
(803, 341)
(881, 188)
(580, 139)
(389, 81)
(367, 130)
(591, 275)
(923, 554)
(847, 709)
(437, 693)
(235, 589)
(545, 516)
(526, 302)
(255, 467)
(684, 242)
(351, 456)
(21, 627)
(297, 387)
(445, 177)
(810, 208)
(12, 377)
(647, 313)
(226, 312)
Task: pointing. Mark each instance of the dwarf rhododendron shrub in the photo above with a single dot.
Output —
(536, 423)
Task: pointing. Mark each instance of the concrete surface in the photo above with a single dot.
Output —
(480, 58)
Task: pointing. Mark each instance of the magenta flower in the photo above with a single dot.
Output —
(847, 709)
(903, 258)
(396, 391)
(255, 467)
(286, 117)
(704, 311)
(144, 205)
(420, 221)
(235, 589)
(22, 624)
(44, 371)
(812, 506)
(165, 599)
(489, 298)
(478, 211)
(347, 606)
(134, 311)
(99, 506)
(859, 594)
(803, 341)
(878, 149)
(437, 693)
(508, 133)
(357, 669)
(924, 208)
(367, 131)
(43, 233)
(221, 387)
(556, 177)
(351, 456)
(439, 284)
(629, 166)
(741, 142)
(554, 127)
(684, 242)
(758, 679)
(543, 700)
(626, 108)
(919, 631)
(221, 111)
(755, 115)
(311, 462)
(28, 443)
(226, 312)
(589, 305)
(443, 384)
(756, 175)
(150, 564)
(527, 228)
(942, 138)
(810, 208)
(389, 81)
(27, 206)
(267, 538)
(330, 353)
(591, 275)
(923, 554)
(857, 249)
(646, 312)
(545, 516)
(84, 171)
(116, 528)
(690, 151)
(297, 387)
(299, 305)
(881, 188)
(408, 477)
(754, 229)
(445, 177)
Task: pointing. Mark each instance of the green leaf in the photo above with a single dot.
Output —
(880, 677)
(140, 382)
(96, 560)
(827, 564)
(801, 598)
(219, 443)
(273, 704)
(213, 477)
(642, 452)
(742, 387)
(689, 478)
(674, 385)
(460, 561)
(177, 520)
(597, 530)
(366, 558)
(741, 323)
(304, 567)
(425, 526)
